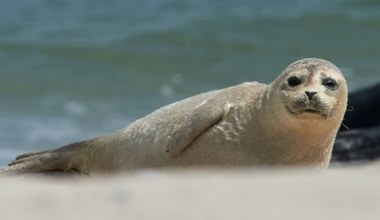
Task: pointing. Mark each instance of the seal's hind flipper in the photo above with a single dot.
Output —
(30, 154)
(66, 159)
(38, 162)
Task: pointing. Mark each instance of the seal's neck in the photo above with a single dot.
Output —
(296, 139)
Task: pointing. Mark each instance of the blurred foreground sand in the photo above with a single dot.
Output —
(339, 193)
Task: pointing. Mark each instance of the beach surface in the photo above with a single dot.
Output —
(339, 193)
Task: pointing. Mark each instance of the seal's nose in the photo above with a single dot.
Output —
(310, 94)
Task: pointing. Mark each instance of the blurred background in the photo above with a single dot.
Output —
(72, 70)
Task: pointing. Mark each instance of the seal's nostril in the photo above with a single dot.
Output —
(310, 94)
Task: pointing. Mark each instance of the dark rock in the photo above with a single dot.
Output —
(359, 137)
(363, 109)
(357, 144)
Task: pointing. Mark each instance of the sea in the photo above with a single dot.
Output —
(72, 70)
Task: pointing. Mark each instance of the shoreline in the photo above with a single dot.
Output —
(350, 193)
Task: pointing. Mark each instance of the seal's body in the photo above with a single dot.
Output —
(292, 121)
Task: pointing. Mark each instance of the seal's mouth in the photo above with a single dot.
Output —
(312, 111)
(308, 110)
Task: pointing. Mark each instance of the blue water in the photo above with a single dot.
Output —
(72, 70)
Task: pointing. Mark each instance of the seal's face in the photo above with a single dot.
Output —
(311, 88)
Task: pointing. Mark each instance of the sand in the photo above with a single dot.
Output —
(339, 193)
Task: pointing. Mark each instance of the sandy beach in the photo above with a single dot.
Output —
(339, 193)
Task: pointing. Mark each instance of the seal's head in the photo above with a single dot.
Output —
(312, 88)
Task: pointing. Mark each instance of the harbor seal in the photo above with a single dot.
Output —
(292, 121)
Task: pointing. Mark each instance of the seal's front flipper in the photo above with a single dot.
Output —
(65, 159)
(202, 118)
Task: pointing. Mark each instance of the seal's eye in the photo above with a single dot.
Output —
(294, 81)
(330, 83)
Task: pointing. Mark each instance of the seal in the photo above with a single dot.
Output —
(292, 121)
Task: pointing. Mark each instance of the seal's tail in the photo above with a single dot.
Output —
(65, 159)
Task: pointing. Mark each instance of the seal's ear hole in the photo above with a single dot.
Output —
(294, 81)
